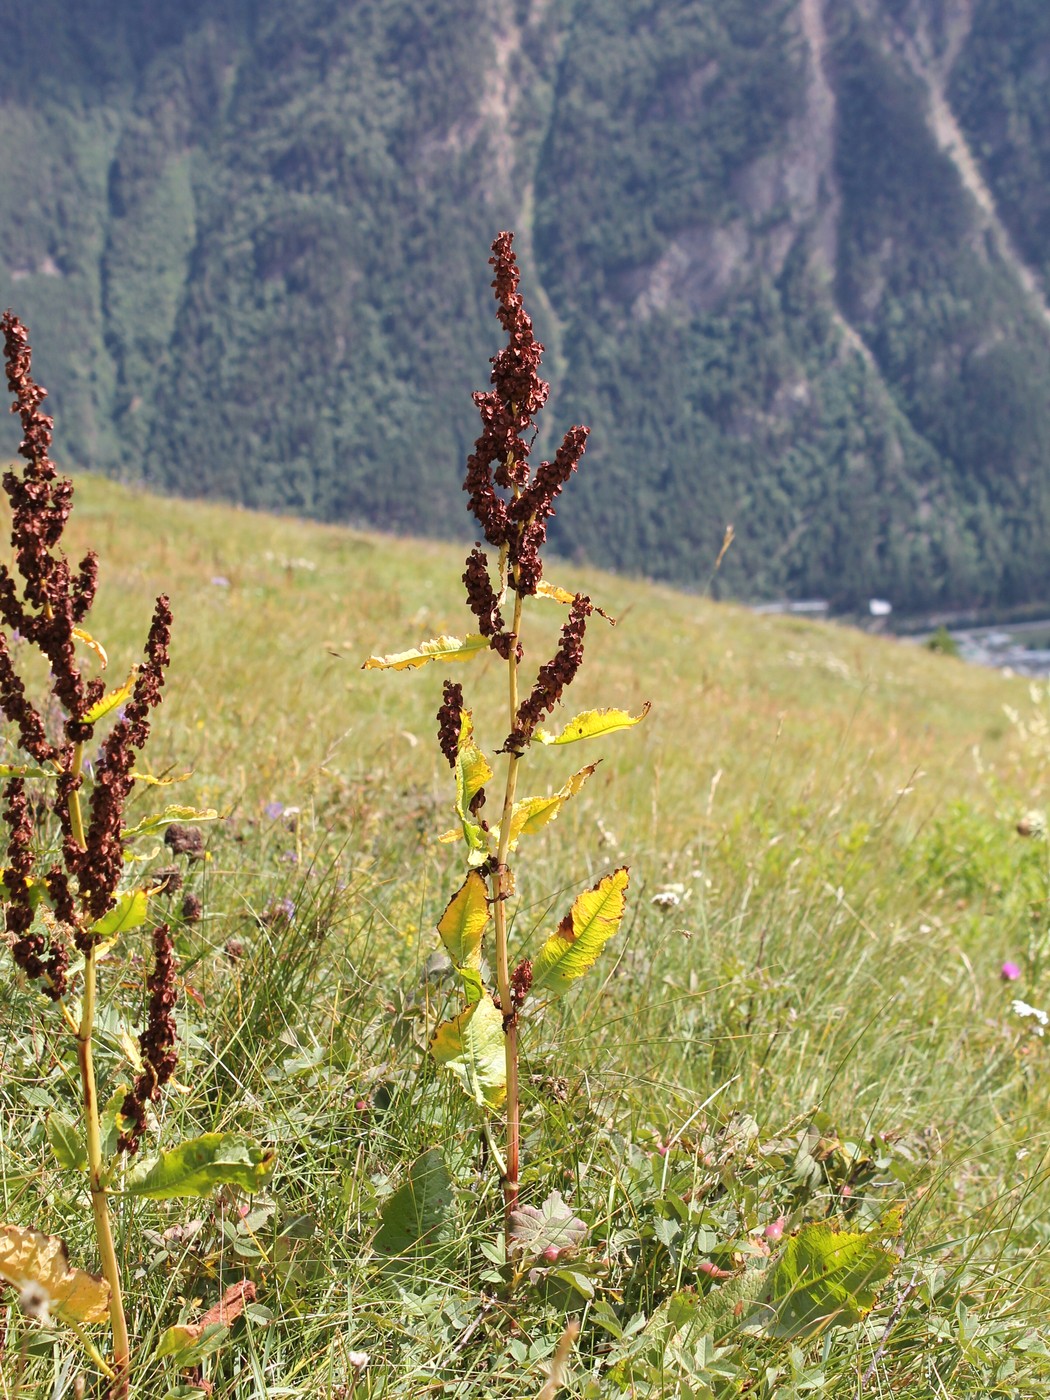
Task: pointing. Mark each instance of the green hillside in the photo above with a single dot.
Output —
(788, 259)
(808, 1024)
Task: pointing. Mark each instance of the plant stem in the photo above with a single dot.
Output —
(501, 888)
(76, 819)
(96, 1185)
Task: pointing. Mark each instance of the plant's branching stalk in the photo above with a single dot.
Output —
(96, 1177)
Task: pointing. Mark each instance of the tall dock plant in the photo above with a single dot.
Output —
(512, 504)
(67, 902)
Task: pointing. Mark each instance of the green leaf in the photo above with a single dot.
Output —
(462, 925)
(27, 1256)
(471, 1046)
(70, 1151)
(412, 1216)
(473, 771)
(826, 1278)
(110, 701)
(172, 813)
(592, 724)
(129, 912)
(582, 934)
(440, 649)
(197, 1167)
(533, 813)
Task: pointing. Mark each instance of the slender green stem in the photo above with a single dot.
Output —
(96, 1183)
(76, 818)
(501, 888)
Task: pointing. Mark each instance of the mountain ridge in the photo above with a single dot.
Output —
(779, 252)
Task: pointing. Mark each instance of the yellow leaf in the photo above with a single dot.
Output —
(592, 724)
(473, 771)
(471, 1046)
(533, 813)
(96, 647)
(440, 649)
(552, 591)
(462, 925)
(29, 1257)
(151, 781)
(582, 934)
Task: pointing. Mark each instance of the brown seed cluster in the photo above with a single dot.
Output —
(100, 866)
(44, 602)
(512, 506)
(553, 678)
(157, 1041)
(449, 718)
(37, 956)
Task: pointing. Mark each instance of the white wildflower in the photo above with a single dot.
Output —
(1041, 1019)
(35, 1300)
(666, 899)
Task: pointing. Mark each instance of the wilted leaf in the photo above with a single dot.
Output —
(27, 1256)
(552, 591)
(412, 1216)
(198, 1167)
(471, 1046)
(826, 1278)
(129, 912)
(151, 781)
(551, 1227)
(534, 813)
(172, 813)
(24, 770)
(462, 925)
(96, 647)
(112, 1122)
(189, 1342)
(574, 947)
(592, 724)
(111, 701)
(188, 1345)
(440, 649)
(66, 1143)
(473, 771)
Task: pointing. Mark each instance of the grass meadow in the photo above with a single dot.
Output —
(802, 1018)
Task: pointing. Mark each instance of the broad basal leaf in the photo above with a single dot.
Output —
(410, 1219)
(533, 813)
(462, 925)
(198, 1167)
(471, 1046)
(111, 701)
(551, 1227)
(592, 724)
(582, 934)
(173, 813)
(66, 1143)
(129, 912)
(27, 1257)
(440, 649)
(826, 1278)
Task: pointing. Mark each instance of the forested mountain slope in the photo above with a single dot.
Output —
(789, 258)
